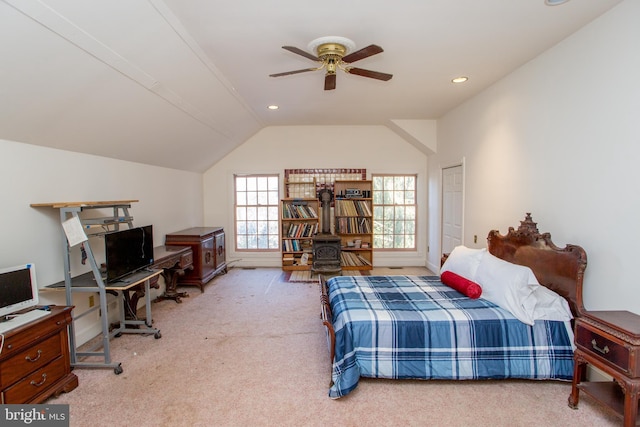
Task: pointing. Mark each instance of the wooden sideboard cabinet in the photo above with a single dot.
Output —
(209, 253)
(35, 362)
(609, 341)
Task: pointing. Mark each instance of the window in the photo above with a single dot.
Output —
(394, 211)
(257, 212)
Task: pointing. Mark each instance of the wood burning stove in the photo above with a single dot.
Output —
(326, 246)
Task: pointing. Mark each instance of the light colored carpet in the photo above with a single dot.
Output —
(251, 351)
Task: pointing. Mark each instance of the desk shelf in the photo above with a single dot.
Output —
(93, 282)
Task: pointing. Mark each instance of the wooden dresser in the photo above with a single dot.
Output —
(610, 342)
(35, 363)
(209, 254)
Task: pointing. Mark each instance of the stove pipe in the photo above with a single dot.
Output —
(325, 199)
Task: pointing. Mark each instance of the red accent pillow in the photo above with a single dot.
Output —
(461, 284)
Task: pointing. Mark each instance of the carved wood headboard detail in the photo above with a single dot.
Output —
(559, 269)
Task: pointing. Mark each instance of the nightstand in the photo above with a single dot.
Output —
(610, 342)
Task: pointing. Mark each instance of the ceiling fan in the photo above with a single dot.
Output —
(335, 53)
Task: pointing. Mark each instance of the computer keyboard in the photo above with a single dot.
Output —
(21, 319)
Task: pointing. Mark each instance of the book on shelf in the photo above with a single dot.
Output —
(312, 212)
(350, 259)
(301, 229)
(345, 207)
(297, 245)
(290, 211)
(354, 225)
(287, 260)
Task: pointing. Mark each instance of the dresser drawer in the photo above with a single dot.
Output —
(186, 260)
(17, 340)
(38, 382)
(29, 360)
(592, 341)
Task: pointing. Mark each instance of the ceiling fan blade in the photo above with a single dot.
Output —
(301, 52)
(287, 73)
(330, 82)
(368, 73)
(362, 53)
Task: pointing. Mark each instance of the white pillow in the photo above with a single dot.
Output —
(508, 286)
(463, 261)
(548, 305)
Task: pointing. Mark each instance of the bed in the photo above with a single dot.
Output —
(417, 327)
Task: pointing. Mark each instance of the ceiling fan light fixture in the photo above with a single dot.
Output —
(331, 65)
(331, 45)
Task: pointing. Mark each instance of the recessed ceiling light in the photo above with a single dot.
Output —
(554, 2)
(273, 107)
(460, 79)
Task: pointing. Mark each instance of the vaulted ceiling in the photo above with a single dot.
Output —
(181, 83)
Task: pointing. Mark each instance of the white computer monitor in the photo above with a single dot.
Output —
(18, 288)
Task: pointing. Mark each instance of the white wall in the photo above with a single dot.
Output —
(168, 199)
(274, 149)
(559, 138)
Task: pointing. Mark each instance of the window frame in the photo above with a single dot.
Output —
(272, 209)
(414, 205)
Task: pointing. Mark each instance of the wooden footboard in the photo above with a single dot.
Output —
(326, 317)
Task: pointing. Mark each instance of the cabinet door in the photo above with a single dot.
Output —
(220, 250)
(208, 259)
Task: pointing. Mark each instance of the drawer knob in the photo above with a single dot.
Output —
(44, 378)
(604, 350)
(30, 359)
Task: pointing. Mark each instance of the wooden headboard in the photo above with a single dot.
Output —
(559, 269)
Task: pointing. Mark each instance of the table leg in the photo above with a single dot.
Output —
(579, 370)
(171, 281)
(631, 392)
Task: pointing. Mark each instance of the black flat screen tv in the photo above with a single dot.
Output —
(128, 251)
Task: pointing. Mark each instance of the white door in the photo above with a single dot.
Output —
(452, 179)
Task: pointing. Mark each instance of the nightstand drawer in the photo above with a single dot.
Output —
(29, 360)
(38, 382)
(591, 341)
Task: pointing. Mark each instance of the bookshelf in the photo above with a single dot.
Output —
(353, 213)
(298, 224)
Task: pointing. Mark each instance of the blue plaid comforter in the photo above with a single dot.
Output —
(416, 327)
